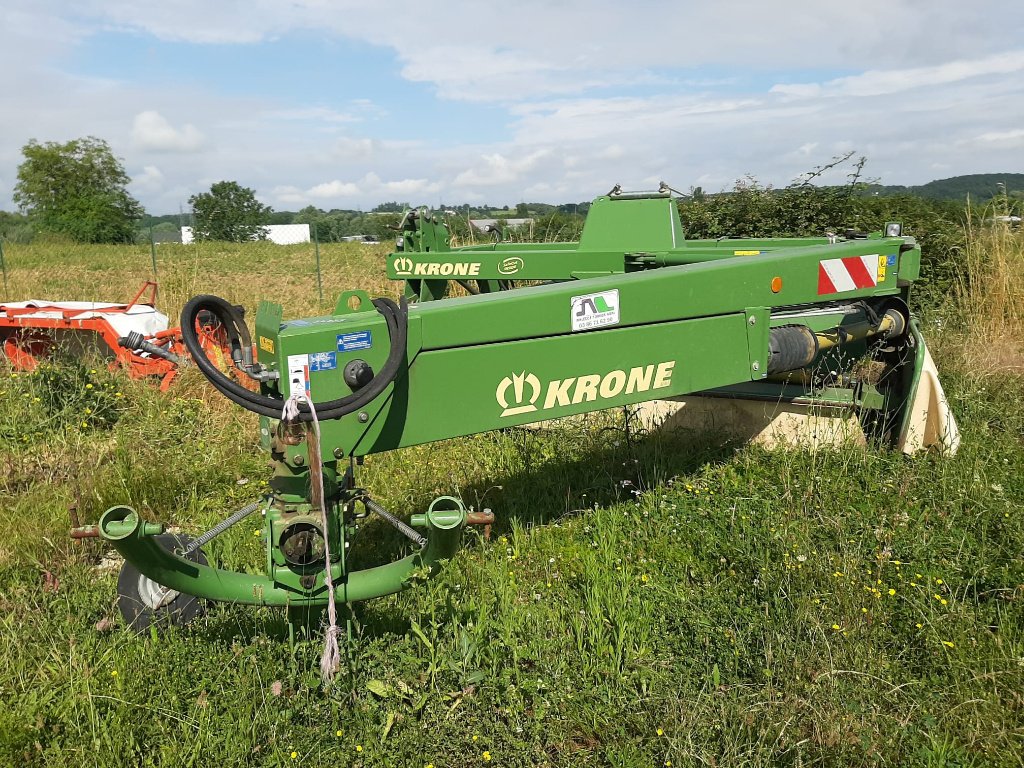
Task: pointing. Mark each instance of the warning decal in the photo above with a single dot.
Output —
(849, 274)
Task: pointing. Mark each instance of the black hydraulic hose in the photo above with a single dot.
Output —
(395, 316)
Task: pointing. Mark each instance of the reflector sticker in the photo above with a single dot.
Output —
(850, 274)
(746, 253)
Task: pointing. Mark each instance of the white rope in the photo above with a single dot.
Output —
(330, 661)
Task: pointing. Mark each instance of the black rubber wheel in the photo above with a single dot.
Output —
(142, 601)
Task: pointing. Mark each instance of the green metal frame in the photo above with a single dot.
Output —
(707, 311)
(663, 317)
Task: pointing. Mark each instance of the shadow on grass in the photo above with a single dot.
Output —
(552, 473)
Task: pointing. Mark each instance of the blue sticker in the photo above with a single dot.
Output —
(323, 361)
(892, 259)
(348, 342)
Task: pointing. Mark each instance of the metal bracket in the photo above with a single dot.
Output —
(353, 301)
(757, 321)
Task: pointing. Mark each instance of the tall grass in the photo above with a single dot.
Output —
(989, 298)
(646, 600)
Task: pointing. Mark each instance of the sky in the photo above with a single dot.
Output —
(342, 104)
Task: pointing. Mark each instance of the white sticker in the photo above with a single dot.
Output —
(298, 374)
(594, 310)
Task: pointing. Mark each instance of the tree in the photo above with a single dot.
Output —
(391, 207)
(77, 189)
(229, 212)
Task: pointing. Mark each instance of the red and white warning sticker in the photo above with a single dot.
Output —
(849, 274)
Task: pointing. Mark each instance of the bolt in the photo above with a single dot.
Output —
(756, 366)
(339, 453)
(298, 460)
(752, 320)
(363, 417)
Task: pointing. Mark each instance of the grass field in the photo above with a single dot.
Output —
(646, 599)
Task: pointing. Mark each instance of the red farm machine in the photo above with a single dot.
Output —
(133, 336)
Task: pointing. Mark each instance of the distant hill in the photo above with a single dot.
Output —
(980, 187)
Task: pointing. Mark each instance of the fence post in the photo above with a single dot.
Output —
(3, 265)
(152, 250)
(319, 281)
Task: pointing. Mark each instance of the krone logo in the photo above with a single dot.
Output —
(520, 403)
(406, 267)
(559, 393)
(510, 266)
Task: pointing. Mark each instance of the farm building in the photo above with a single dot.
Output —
(282, 234)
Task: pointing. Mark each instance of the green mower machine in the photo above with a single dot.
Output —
(633, 312)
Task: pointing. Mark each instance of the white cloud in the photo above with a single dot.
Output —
(152, 131)
(541, 48)
(347, 148)
(333, 189)
(289, 195)
(1012, 138)
(373, 183)
(369, 186)
(881, 82)
(561, 100)
(150, 180)
(498, 169)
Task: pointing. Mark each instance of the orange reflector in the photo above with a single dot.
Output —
(776, 284)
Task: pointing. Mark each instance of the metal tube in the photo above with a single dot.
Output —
(891, 323)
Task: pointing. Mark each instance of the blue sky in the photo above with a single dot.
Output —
(346, 104)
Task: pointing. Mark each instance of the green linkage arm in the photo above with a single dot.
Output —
(134, 539)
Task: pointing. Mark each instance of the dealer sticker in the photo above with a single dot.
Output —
(349, 342)
(594, 310)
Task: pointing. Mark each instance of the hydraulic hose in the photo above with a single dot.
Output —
(396, 317)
